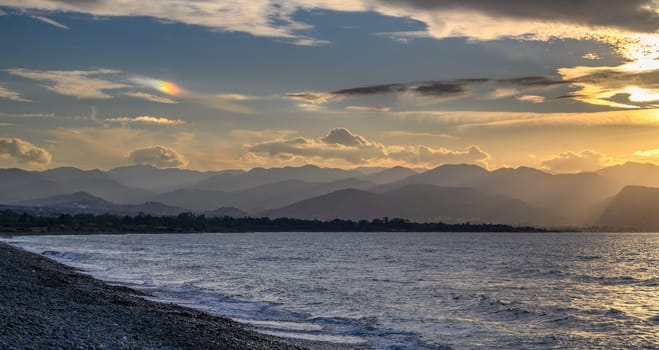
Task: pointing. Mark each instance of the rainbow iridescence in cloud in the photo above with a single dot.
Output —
(168, 88)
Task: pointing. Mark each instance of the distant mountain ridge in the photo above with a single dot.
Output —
(83, 202)
(261, 176)
(635, 208)
(421, 203)
(450, 192)
(159, 180)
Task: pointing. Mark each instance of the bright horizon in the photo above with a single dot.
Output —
(221, 85)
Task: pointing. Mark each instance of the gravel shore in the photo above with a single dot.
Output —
(47, 305)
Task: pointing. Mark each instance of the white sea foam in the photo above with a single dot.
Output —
(281, 325)
(341, 339)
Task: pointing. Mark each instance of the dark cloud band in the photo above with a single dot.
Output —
(635, 15)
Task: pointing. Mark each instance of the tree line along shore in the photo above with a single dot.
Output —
(27, 223)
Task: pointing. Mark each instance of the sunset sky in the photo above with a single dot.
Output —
(560, 85)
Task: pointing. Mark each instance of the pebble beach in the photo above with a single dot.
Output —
(47, 305)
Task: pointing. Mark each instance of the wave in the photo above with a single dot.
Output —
(66, 255)
(617, 280)
(584, 278)
(504, 309)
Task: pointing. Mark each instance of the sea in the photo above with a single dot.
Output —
(395, 290)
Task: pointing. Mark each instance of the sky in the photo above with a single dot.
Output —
(563, 86)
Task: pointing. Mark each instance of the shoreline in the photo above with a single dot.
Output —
(47, 304)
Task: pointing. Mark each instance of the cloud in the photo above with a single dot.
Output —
(502, 93)
(463, 120)
(636, 81)
(473, 154)
(533, 81)
(11, 95)
(225, 102)
(27, 115)
(488, 20)
(374, 89)
(107, 145)
(311, 97)
(601, 85)
(97, 84)
(429, 88)
(430, 157)
(425, 92)
(342, 145)
(531, 99)
(51, 22)
(402, 133)
(158, 156)
(260, 135)
(150, 97)
(575, 162)
(343, 136)
(262, 18)
(651, 153)
(404, 36)
(23, 151)
(591, 56)
(80, 84)
(145, 120)
(635, 15)
(368, 108)
(629, 27)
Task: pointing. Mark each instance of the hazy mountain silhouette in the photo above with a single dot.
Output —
(564, 197)
(161, 180)
(17, 185)
(259, 198)
(633, 174)
(448, 192)
(346, 204)
(193, 199)
(261, 176)
(446, 175)
(389, 175)
(415, 202)
(83, 202)
(287, 192)
(365, 170)
(634, 208)
(568, 196)
(74, 200)
(105, 188)
(67, 173)
(461, 204)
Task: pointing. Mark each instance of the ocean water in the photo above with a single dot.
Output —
(397, 290)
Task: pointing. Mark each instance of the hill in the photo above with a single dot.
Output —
(421, 203)
(83, 202)
(635, 208)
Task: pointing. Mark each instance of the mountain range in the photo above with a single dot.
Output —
(618, 197)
